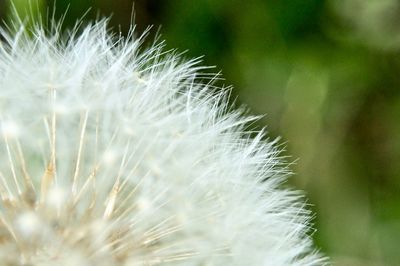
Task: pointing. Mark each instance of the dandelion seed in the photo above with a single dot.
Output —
(117, 155)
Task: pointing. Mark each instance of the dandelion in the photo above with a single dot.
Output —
(112, 154)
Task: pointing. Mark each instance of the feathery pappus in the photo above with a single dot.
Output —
(112, 153)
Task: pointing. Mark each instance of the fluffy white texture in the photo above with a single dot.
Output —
(112, 154)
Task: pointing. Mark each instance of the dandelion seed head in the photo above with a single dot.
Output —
(112, 153)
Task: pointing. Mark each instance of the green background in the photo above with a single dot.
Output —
(325, 73)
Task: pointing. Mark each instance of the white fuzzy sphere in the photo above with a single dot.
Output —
(112, 154)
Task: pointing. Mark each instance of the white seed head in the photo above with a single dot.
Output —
(113, 154)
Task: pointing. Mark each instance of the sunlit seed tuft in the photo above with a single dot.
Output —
(115, 154)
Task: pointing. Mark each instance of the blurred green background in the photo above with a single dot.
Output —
(326, 73)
